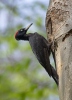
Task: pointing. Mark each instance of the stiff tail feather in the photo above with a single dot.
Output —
(54, 74)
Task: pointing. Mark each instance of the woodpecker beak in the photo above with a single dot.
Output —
(29, 26)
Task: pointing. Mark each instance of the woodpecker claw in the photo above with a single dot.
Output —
(29, 26)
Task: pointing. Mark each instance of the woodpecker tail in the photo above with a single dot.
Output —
(54, 74)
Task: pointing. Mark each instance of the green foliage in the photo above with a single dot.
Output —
(21, 76)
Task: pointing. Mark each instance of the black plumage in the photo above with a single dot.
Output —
(41, 49)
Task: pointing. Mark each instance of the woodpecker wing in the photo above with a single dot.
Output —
(40, 49)
(47, 62)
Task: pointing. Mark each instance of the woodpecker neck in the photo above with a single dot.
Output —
(26, 36)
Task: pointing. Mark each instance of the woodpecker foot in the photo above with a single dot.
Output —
(52, 42)
(54, 45)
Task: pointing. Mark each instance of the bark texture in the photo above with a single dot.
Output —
(59, 26)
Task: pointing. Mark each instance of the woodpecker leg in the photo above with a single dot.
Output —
(52, 42)
(53, 45)
(53, 48)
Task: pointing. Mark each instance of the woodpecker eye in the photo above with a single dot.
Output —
(22, 30)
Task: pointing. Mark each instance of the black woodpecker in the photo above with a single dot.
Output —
(41, 49)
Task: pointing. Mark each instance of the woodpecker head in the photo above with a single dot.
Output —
(20, 33)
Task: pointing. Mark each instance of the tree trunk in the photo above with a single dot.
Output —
(59, 25)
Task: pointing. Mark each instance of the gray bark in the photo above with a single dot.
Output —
(59, 25)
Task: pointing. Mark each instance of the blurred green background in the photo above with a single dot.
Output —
(21, 75)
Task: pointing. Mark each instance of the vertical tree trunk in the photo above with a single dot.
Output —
(59, 24)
